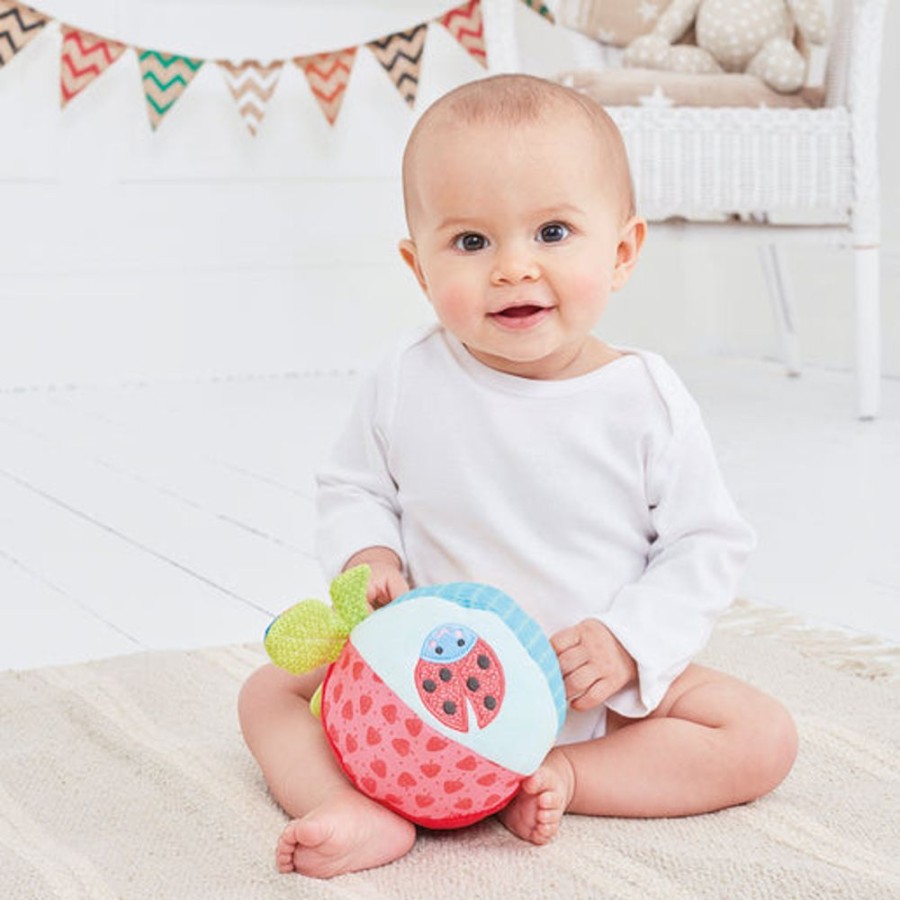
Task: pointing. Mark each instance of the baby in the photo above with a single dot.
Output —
(510, 445)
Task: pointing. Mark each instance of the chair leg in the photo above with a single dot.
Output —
(868, 330)
(780, 291)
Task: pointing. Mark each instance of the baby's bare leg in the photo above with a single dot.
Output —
(713, 742)
(336, 829)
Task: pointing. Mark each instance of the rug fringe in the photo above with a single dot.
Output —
(866, 656)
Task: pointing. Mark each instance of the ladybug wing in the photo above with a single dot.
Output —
(441, 689)
(484, 681)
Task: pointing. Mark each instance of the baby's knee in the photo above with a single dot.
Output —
(769, 753)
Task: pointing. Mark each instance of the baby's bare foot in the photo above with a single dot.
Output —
(536, 811)
(347, 833)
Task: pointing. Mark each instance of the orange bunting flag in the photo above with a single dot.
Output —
(252, 85)
(18, 26)
(328, 75)
(466, 24)
(165, 78)
(83, 58)
(401, 56)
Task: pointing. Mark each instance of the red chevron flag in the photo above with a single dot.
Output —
(466, 24)
(328, 75)
(83, 58)
(401, 56)
(18, 26)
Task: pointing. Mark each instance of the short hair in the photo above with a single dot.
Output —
(516, 100)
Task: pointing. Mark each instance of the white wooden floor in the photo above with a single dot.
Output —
(180, 514)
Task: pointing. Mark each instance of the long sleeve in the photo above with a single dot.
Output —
(356, 500)
(665, 617)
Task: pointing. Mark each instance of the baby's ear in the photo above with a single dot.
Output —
(631, 239)
(411, 258)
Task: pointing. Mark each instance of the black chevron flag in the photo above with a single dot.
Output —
(401, 56)
(18, 25)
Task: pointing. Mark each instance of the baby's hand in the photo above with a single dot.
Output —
(386, 581)
(594, 664)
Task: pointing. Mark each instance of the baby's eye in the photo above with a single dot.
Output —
(553, 233)
(470, 242)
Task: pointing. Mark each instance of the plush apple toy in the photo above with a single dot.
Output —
(437, 705)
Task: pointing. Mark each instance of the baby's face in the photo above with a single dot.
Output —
(516, 239)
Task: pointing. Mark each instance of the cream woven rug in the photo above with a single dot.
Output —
(127, 778)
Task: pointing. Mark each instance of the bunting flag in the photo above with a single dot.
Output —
(466, 24)
(165, 78)
(328, 75)
(540, 7)
(83, 58)
(401, 56)
(18, 26)
(252, 85)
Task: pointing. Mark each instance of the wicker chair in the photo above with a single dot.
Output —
(767, 173)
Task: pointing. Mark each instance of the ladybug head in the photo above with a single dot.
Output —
(448, 643)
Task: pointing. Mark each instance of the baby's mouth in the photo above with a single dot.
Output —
(519, 312)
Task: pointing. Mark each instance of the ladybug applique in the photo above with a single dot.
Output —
(457, 669)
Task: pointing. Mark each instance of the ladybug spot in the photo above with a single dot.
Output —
(490, 702)
(449, 707)
(445, 674)
(429, 686)
(472, 683)
(483, 661)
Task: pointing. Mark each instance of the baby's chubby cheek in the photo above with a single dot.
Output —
(456, 306)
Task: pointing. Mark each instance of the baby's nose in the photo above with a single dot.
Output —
(514, 264)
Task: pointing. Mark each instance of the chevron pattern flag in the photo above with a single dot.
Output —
(466, 24)
(165, 78)
(18, 26)
(328, 75)
(401, 56)
(540, 7)
(252, 85)
(83, 58)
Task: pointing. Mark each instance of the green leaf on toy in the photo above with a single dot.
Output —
(315, 702)
(348, 595)
(308, 635)
(311, 633)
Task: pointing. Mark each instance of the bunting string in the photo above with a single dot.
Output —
(84, 57)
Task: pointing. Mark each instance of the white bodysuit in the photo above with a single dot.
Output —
(596, 496)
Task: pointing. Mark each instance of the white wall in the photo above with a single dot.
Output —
(198, 250)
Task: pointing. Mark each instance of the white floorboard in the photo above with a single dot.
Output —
(181, 514)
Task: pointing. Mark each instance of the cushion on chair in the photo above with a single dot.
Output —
(647, 87)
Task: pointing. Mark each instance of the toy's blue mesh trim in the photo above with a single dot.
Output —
(482, 596)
